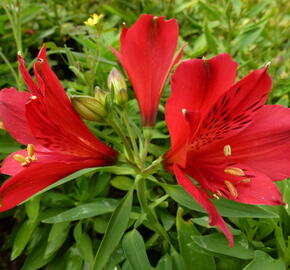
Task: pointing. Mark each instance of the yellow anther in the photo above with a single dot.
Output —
(1, 125)
(246, 180)
(30, 151)
(33, 97)
(21, 159)
(216, 196)
(227, 150)
(30, 156)
(219, 193)
(232, 189)
(234, 171)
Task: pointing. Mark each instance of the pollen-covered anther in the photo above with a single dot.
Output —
(227, 150)
(21, 159)
(232, 189)
(234, 171)
(216, 196)
(246, 180)
(33, 97)
(184, 111)
(24, 161)
(31, 152)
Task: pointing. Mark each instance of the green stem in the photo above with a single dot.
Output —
(115, 125)
(150, 214)
(147, 133)
(132, 136)
(12, 11)
(9, 65)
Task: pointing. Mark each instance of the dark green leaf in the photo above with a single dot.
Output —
(189, 251)
(115, 230)
(217, 243)
(225, 207)
(263, 261)
(135, 252)
(56, 237)
(99, 207)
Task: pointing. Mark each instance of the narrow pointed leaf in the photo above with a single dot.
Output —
(134, 248)
(114, 232)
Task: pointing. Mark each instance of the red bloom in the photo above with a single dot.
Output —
(58, 142)
(227, 140)
(147, 54)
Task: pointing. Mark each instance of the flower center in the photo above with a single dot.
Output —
(230, 185)
(24, 161)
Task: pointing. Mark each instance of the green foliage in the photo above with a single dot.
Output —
(92, 219)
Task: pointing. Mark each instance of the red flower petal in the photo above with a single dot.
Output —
(35, 178)
(235, 109)
(146, 52)
(12, 113)
(202, 198)
(10, 166)
(253, 187)
(260, 190)
(196, 86)
(52, 119)
(265, 144)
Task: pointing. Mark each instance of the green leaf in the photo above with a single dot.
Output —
(122, 182)
(120, 170)
(57, 236)
(99, 207)
(22, 237)
(32, 209)
(199, 47)
(212, 44)
(36, 258)
(217, 243)
(226, 208)
(165, 263)
(134, 248)
(263, 261)
(248, 36)
(115, 230)
(84, 244)
(7, 143)
(189, 251)
(73, 259)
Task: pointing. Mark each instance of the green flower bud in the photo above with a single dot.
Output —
(101, 95)
(89, 108)
(117, 84)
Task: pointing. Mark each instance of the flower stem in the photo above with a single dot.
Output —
(147, 133)
(115, 125)
(146, 209)
(12, 11)
(132, 136)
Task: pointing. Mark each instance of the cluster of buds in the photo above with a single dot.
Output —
(96, 108)
(92, 108)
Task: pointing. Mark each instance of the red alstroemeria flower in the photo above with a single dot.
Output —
(224, 137)
(147, 54)
(58, 142)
